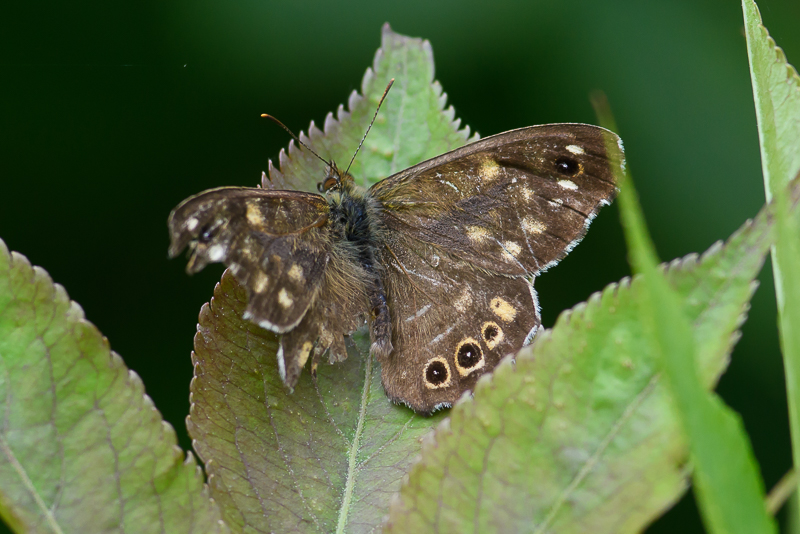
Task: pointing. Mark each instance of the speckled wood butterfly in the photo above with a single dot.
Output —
(439, 258)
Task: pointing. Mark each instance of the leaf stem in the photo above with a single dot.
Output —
(781, 492)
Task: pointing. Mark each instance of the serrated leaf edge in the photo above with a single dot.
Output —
(578, 313)
(75, 313)
(285, 156)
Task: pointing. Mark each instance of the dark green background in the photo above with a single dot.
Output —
(113, 112)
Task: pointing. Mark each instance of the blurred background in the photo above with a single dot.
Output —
(113, 112)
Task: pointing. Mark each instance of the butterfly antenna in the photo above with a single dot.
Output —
(279, 123)
(370, 124)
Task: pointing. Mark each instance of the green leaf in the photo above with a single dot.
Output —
(412, 126)
(787, 256)
(579, 433)
(329, 456)
(776, 90)
(325, 458)
(82, 448)
(726, 476)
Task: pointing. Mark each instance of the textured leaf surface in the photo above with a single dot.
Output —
(82, 448)
(412, 126)
(727, 481)
(329, 456)
(325, 457)
(579, 434)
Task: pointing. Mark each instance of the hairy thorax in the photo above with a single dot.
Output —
(358, 235)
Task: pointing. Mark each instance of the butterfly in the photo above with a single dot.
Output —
(439, 259)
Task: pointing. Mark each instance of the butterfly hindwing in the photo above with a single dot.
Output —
(452, 323)
(513, 203)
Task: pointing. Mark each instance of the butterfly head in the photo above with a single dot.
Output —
(201, 224)
(335, 180)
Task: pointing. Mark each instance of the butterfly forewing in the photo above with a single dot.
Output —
(513, 203)
(273, 242)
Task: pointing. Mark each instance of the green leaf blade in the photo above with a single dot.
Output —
(82, 449)
(589, 439)
(324, 458)
(787, 261)
(412, 126)
(729, 487)
(776, 92)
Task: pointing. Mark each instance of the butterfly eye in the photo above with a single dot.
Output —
(329, 183)
(567, 166)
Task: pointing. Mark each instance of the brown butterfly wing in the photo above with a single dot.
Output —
(274, 242)
(513, 203)
(451, 322)
(278, 245)
(465, 230)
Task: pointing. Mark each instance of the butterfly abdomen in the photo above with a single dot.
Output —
(354, 218)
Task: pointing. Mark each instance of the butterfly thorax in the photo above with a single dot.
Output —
(353, 220)
(355, 223)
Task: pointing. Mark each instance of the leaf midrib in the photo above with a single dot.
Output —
(592, 461)
(28, 483)
(344, 510)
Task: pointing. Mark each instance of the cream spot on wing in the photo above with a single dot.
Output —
(511, 249)
(285, 298)
(296, 273)
(464, 301)
(575, 149)
(503, 309)
(304, 352)
(533, 226)
(568, 184)
(191, 224)
(254, 216)
(422, 311)
(216, 253)
(556, 202)
(281, 362)
(451, 184)
(477, 233)
(489, 169)
(527, 193)
(260, 282)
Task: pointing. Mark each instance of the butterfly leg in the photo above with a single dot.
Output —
(381, 327)
(318, 351)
